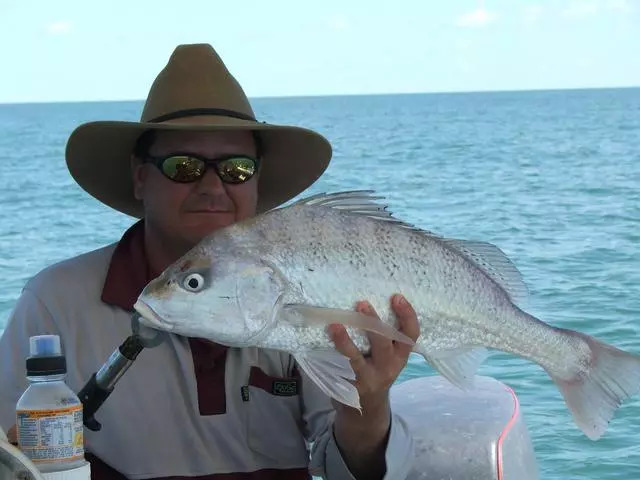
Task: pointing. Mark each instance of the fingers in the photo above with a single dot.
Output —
(407, 322)
(386, 356)
(346, 347)
(380, 346)
(12, 435)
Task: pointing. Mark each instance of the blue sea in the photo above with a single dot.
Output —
(552, 178)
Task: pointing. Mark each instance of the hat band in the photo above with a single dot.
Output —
(194, 112)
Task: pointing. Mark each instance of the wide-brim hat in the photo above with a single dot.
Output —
(194, 91)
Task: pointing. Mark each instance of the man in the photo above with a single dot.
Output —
(199, 161)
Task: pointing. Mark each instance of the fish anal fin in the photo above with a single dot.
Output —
(459, 365)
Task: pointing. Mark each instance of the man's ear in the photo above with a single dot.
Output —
(138, 176)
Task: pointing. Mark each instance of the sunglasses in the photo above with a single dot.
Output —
(190, 167)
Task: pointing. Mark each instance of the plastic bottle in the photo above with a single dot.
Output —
(49, 414)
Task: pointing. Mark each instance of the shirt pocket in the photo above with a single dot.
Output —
(275, 426)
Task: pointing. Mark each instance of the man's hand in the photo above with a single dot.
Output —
(362, 438)
(12, 435)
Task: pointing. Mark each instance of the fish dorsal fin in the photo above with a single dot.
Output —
(495, 263)
(357, 202)
(486, 256)
(327, 199)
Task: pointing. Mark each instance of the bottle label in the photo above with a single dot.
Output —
(51, 435)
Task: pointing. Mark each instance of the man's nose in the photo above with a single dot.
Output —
(210, 182)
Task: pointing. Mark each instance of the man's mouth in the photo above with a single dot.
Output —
(151, 318)
(210, 210)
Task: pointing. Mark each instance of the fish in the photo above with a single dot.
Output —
(278, 279)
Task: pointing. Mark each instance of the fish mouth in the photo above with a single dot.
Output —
(150, 317)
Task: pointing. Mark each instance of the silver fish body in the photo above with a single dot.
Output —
(277, 281)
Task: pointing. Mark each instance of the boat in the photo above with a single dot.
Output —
(473, 434)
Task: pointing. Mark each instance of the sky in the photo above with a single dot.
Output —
(73, 50)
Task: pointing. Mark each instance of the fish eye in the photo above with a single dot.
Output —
(193, 282)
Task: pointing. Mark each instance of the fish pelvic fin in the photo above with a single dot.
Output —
(597, 391)
(459, 365)
(332, 373)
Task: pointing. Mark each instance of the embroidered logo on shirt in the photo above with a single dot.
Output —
(244, 391)
(285, 388)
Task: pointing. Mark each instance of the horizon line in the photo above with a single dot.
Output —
(374, 94)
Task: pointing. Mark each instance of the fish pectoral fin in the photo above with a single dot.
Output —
(332, 373)
(301, 315)
(459, 365)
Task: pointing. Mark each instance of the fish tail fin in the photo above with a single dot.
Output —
(599, 388)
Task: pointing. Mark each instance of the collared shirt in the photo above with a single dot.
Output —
(129, 272)
(187, 408)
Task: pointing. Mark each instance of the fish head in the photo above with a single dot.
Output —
(229, 298)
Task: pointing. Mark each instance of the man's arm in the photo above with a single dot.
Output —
(348, 445)
(363, 438)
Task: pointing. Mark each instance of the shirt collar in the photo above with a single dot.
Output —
(129, 270)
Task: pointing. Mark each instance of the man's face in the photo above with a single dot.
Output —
(184, 213)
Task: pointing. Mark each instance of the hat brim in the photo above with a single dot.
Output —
(98, 157)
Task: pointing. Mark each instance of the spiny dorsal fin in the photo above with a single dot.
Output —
(358, 202)
(327, 198)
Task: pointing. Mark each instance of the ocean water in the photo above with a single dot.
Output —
(552, 178)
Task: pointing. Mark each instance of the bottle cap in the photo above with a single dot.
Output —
(44, 346)
(45, 356)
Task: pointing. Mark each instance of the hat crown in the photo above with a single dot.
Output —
(194, 78)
